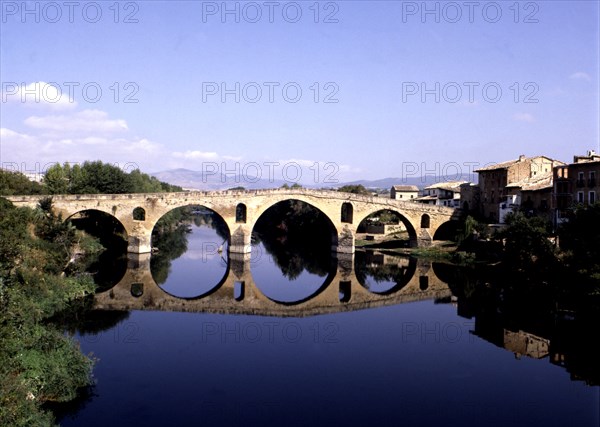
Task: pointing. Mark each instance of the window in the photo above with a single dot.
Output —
(580, 180)
(580, 197)
(592, 180)
(400, 195)
(592, 197)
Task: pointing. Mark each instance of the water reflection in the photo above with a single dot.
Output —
(529, 324)
(383, 273)
(293, 282)
(200, 269)
(191, 259)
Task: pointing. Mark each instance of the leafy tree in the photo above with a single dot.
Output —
(17, 183)
(101, 178)
(526, 244)
(355, 189)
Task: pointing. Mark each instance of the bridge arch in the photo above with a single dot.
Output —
(404, 218)
(212, 211)
(334, 230)
(119, 226)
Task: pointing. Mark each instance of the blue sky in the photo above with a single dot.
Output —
(370, 61)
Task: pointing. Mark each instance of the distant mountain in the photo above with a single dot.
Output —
(190, 179)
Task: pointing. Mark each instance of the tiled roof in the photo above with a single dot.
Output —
(406, 188)
(449, 185)
(496, 166)
(536, 182)
(509, 163)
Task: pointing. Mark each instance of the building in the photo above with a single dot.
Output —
(470, 195)
(404, 192)
(442, 194)
(576, 183)
(501, 184)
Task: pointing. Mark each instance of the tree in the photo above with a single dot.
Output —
(17, 183)
(57, 179)
(355, 189)
(526, 243)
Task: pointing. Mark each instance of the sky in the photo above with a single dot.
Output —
(314, 92)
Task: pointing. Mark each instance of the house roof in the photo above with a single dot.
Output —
(497, 166)
(448, 185)
(509, 163)
(406, 188)
(536, 182)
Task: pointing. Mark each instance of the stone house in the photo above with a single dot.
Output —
(576, 183)
(442, 194)
(501, 184)
(404, 192)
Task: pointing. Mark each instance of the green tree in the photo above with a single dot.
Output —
(526, 243)
(355, 189)
(17, 183)
(57, 178)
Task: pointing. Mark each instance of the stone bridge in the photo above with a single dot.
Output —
(241, 209)
(237, 293)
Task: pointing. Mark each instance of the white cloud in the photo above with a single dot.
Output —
(580, 75)
(79, 122)
(31, 150)
(38, 94)
(524, 117)
(195, 155)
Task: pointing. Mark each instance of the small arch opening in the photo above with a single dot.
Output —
(240, 213)
(425, 221)
(137, 290)
(345, 292)
(423, 282)
(139, 214)
(239, 290)
(347, 213)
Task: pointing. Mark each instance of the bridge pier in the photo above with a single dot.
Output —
(343, 243)
(424, 239)
(241, 241)
(139, 239)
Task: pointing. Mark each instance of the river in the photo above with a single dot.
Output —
(281, 339)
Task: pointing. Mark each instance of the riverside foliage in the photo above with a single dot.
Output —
(38, 278)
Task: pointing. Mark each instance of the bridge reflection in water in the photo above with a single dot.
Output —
(237, 293)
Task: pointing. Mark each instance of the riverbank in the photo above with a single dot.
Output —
(41, 264)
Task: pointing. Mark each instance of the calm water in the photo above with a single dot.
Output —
(416, 364)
